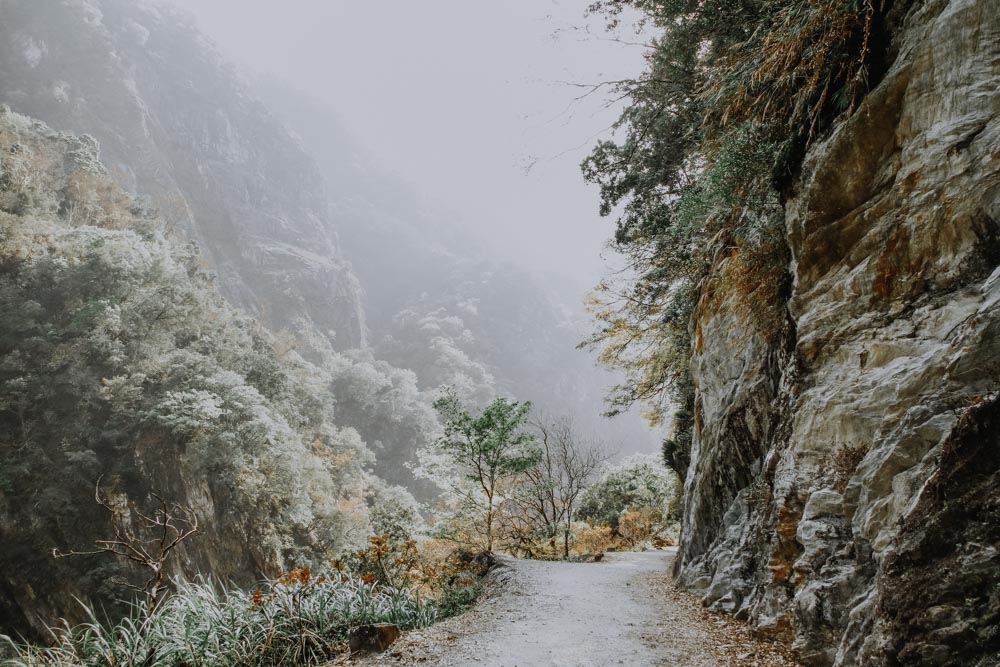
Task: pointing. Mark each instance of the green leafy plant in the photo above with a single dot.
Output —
(485, 450)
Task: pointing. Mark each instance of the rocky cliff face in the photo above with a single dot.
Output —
(844, 488)
(179, 129)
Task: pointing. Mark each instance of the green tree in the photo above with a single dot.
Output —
(487, 449)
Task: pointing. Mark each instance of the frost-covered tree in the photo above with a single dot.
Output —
(394, 513)
(640, 481)
(120, 360)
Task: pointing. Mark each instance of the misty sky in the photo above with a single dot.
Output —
(458, 97)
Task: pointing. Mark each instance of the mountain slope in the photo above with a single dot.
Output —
(434, 301)
(177, 127)
(181, 131)
(122, 367)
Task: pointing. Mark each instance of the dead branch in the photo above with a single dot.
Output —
(149, 545)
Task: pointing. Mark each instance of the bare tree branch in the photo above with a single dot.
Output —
(163, 530)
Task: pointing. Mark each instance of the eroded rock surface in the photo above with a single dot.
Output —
(842, 492)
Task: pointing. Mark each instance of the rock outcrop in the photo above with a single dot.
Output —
(374, 638)
(843, 493)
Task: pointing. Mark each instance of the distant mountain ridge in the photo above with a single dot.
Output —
(178, 127)
(436, 303)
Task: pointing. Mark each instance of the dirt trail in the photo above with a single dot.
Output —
(621, 611)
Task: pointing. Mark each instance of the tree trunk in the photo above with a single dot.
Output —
(569, 522)
(489, 527)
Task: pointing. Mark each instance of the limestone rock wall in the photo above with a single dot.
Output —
(843, 491)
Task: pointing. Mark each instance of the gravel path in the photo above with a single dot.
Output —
(621, 611)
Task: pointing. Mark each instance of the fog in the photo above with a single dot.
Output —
(479, 106)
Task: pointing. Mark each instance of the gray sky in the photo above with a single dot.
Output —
(458, 97)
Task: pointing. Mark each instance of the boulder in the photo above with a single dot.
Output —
(373, 638)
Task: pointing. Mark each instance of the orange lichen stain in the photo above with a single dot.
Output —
(788, 523)
(887, 267)
(787, 552)
(779, 570)
(909, 183)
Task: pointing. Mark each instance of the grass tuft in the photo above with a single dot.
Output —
(300, 619)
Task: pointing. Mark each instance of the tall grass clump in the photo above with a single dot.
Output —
(302, 618)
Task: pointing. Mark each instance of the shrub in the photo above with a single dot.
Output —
(590, 539)
(95, 200)
(393, 512)
(639, 525)
(297, 619)
(639, 481)
(842, 463)
(438, 575)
